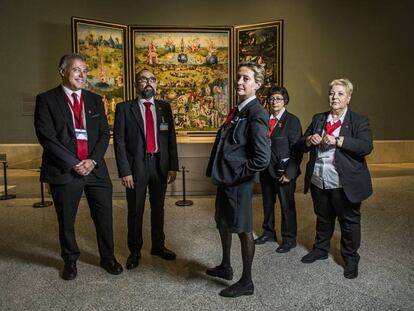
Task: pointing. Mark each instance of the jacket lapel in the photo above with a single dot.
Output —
(320, 123)
(89, 110)
(347, 125)
(64, 107)
(242, 113)
(158, 112)
(280, 124)
(138, 115)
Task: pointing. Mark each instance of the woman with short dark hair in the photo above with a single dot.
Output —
(279, 179)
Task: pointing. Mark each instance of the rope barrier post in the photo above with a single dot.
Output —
(42, 203)
(5, 196)
(184, 201)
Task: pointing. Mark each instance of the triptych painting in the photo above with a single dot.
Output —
(195, 66)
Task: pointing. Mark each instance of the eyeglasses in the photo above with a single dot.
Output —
(80, 70)
(147, 80)
(276, 99)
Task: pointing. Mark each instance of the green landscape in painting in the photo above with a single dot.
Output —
(193, 71)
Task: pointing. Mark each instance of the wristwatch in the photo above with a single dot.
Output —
(94, 162)
(336, 140)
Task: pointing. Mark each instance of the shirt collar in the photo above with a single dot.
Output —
(330, 119)
(143, 100)
(245, 102)
(279, 115)
(69, 92)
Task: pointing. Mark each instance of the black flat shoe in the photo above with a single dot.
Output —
(69, 271)
(237, 290)
(132, 261)
(221, 272)
(112, 266)
(313, 256)
(285, 247)
(351, 272)
(164, 253)
(263, 239)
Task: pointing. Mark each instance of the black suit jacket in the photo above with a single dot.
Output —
(283, 145)
(242, 149)
(129, 139)
(56, 133)
(350, 158)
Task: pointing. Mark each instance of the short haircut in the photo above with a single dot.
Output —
(278, 90)
(258, 70)
(349, 88)
(66, 59)
(139, 73)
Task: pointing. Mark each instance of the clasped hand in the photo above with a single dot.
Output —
(84, 167)
(316, 139)
(284, 179)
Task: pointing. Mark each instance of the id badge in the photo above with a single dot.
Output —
(164, 126)
(81, 134)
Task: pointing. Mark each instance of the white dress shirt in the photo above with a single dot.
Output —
(325, 175)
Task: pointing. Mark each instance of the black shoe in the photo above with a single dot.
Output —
(132, 261)
(351, 272)
(164, 253)
(285, 247)
(112, 266)
(313, 256)
(238, 289)
(221, 272)
(263, 239)
(69, 271)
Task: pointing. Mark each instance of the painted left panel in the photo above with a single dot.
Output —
(105, 47)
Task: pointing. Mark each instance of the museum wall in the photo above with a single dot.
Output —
(370, 42)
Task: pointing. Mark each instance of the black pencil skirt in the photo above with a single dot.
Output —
(234, 207)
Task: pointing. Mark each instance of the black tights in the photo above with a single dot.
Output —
(247, 250)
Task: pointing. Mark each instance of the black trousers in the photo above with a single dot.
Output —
(156, 183)
(329, 204)
(271, 189)
(66, 199)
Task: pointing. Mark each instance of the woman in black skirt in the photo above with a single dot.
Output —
(241, 150)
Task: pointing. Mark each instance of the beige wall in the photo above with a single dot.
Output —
(370, 42)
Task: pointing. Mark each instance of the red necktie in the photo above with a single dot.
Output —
(149, 128)
(330, 128)
(230, 117)
(272, 124)
(82, 150)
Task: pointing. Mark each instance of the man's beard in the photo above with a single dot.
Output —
(148, 92)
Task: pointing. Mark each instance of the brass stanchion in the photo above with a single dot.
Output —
(184, 201)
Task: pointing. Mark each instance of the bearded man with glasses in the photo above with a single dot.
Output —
(146, 156)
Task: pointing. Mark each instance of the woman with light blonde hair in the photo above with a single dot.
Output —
(337, 174)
